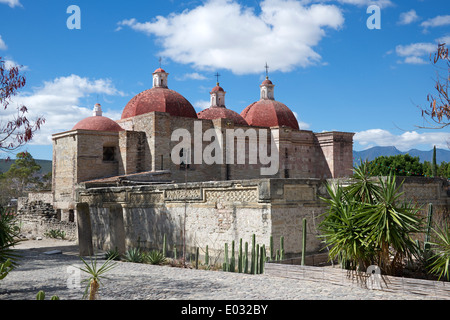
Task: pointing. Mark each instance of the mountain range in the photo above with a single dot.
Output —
(372, 153)
(368, 154)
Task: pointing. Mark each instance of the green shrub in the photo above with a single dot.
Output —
(134, 255)
(155, 257)
(41, 296)
(112, 254)
(368, 223)
(5, 268)
(9, 231)
(55, 234)
(441, 248)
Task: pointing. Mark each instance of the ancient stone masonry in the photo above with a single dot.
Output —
(36, 218)
(212, 213)
(215, 213)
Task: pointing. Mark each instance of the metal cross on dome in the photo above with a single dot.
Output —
(217, 75)
(267, 70)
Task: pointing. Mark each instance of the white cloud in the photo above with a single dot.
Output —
(408, 17)
(415, 53)
(436, 21)
(404, 142)
(366, 3)
(59, 102)
(11, 3)
(9, 63)
(3, 45)
(191, 76)
(202, 104)
(302, 125)
(225, 34)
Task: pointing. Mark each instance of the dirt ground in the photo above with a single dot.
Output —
(48, 244)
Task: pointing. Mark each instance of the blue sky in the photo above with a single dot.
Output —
(327, 65)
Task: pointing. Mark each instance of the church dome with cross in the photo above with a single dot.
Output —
(217, 109)
(97, 122)
(267, 112)
(159, 98)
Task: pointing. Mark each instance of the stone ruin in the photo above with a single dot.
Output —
(37, 218)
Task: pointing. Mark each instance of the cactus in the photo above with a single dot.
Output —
(226, 265)
(304, 242)
(257, 260)
(271, 256)
(164, 246)
(240, 266)
(233, 260)
(40, 295)
(207, 256)
(282, 248)
(252, 266)
(277, 257)
(246, 258)
(196, 257)
(262, 258)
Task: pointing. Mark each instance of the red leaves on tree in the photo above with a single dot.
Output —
(17, 131)
(439, 104)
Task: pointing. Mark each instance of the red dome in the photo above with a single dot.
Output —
(217, 88)
(221, 113)
(159, 70)
(161, 100)
(269, 113)
(98, 123)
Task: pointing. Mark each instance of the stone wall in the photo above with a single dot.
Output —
(215, 213)
(211, 213)
(37, 217)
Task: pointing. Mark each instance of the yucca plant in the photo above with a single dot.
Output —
(390, 224)
(363, 187)
(8, 237)
(134, 255)
(112, 254)
(343, 230)
(5, 268)
(440, 261)
(155, 257)
(95, 276)
(367, 223)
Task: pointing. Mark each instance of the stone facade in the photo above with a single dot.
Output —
(146, 145)
(37, 216)
(215, 213)
(212, 213)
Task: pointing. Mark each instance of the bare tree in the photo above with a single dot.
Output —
(15, 129)
(438, 110)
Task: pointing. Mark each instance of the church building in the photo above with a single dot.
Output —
(137, 148)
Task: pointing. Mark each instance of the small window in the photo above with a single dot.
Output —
(109, 153)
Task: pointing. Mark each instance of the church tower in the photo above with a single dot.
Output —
(267, 91)
(160, 78)
(217, 96)
(97, 110)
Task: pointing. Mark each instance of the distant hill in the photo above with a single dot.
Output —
(372, 153)
(46, 165)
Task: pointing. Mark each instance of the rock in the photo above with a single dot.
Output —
(53, 252)
(38, 238)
